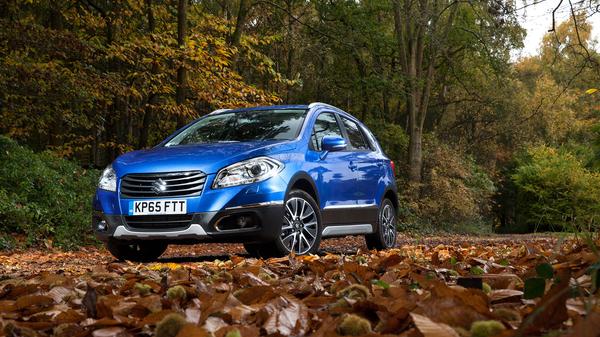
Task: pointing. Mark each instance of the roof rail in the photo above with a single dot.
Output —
(218, 111)
(314, 104)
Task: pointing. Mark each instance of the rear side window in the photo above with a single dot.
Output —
(325, 125)
(355, 135)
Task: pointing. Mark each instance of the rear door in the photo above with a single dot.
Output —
(366, 165)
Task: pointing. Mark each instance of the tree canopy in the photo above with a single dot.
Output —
(437, 81)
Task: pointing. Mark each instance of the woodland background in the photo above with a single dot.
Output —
(483, 141)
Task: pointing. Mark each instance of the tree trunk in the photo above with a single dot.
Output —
(148, 111)
(419, 37)
(180, 91)
(239, 24)
(415, 154)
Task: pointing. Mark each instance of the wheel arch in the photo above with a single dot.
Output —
(393, 196)
(304, 182)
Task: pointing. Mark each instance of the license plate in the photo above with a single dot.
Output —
(157, 207)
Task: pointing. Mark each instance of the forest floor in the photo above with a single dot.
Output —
(510, 285)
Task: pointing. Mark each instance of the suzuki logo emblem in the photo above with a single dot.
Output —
(159, 186)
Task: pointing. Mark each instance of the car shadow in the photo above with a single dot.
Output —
(201, 258)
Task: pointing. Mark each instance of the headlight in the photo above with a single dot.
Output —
(247, 172)
(108, 180)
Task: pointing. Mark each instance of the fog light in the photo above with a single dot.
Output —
(102, 226)
(244, 221)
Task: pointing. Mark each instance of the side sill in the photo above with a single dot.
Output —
(347, 230)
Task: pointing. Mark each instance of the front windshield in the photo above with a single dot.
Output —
(243, 126)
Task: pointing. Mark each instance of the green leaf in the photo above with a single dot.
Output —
(545, 270)
(381, 284)
(476, 270)
(534, 287)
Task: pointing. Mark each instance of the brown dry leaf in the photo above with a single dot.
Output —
(212, 324)
(89, 302)
(59, 293)
(192, 315)
(113, 331)
(503, 281)
(551, 311)
(32, 301)
(155, 317)
(192, 330)
(7, 306)
(285, 315)
(430, 328)
(293, 295)
(587, 327)
(505, 295)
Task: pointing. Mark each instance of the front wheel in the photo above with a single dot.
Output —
(136, 251)
(385, 232)
(301, 227)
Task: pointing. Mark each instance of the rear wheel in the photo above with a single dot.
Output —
(136, 251)
(301, 227)
(385, 232)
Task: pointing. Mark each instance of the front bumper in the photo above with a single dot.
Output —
(212, 215)
(219, 226)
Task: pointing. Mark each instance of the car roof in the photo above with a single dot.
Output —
(284, 107)
(268, 107)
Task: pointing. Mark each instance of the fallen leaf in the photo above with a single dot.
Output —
(430, 328)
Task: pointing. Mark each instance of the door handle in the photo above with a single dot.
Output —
(352, 166)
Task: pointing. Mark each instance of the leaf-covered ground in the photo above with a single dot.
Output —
(441, 286)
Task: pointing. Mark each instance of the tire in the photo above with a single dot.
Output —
(136, 251)
(301, 225)
(385, 231)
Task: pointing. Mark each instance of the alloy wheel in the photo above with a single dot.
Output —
(388, 225)
(300, 226)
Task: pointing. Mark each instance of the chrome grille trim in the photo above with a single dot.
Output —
(158, 221)
(178, 184)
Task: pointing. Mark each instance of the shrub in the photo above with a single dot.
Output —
(554, 191)
(44, 197)
(392, 139)
(454, 195)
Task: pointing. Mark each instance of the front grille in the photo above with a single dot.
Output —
(175, 184)
(159, 221)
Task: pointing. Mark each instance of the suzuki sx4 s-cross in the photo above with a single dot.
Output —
(275, 178)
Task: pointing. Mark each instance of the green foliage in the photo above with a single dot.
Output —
(392, 138)
(92, 81)
(454, 195)
(44, 197)
(554, 191)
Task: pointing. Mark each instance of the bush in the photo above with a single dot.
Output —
(552, 190)
(392, 139)
(454, 195)
(44, 197)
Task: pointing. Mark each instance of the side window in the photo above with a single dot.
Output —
(371, 140)
(355, 135)
(325, 125)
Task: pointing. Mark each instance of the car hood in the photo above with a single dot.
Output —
(208, 158)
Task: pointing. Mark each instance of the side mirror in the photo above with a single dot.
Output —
(332, 144)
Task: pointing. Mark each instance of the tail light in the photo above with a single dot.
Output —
(393, 167)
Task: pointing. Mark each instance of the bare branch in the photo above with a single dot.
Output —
(553, 29)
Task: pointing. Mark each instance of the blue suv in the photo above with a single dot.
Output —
(276, 178)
